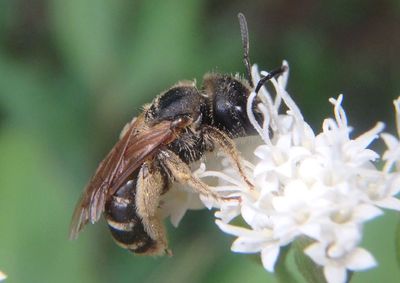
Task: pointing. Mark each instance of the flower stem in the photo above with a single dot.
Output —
(283, 274)
(310, 271)
(397, 242)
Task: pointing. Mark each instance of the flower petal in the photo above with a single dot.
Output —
(247, 245)
(316, 252)
(335, 274)
(365, 212)
(389, 203)
(360, 259)
(269, 255)
(390, 140)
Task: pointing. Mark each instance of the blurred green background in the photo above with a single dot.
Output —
(73, 72)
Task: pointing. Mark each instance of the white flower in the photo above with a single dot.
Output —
(321, 185)
(392, 154)
(336, 261)
(2, 276)
(178, 200)
(254, 241)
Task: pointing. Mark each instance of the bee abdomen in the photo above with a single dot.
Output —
(125, 225)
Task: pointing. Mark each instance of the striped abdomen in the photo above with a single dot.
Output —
(125, 225)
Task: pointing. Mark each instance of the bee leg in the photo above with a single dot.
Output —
(215, 136)
(151, 184)
(181, 172)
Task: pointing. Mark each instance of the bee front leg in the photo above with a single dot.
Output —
(227, 145)
(151, 184)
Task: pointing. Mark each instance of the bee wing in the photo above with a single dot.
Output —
(136, 145)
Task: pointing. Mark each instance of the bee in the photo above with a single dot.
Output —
(156, 149)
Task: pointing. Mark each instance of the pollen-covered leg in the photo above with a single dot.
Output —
(227, 145)
(182, 173)
(150, 185)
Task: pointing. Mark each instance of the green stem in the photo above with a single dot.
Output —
(282, 272)
(312, 272)
(397, 243)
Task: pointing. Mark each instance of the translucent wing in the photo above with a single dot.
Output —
(137, 144)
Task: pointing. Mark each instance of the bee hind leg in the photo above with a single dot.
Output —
(151, 184)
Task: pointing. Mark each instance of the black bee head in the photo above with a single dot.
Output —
(229, 100)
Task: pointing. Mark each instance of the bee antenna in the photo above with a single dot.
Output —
(245, 43)
(270, 75)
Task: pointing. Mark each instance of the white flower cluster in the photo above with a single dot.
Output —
(323, 186)
(2, 276)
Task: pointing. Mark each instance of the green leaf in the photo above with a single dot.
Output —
(310, 271)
